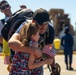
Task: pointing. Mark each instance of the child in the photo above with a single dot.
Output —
(25, 63)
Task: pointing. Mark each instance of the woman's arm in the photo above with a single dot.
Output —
(15, 44)
(32, 64)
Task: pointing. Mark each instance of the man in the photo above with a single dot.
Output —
(41, 18)
(5, 8)
(67, 42)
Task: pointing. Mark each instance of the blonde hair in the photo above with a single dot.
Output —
(26, 32)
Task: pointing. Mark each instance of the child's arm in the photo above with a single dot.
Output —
(32, 64)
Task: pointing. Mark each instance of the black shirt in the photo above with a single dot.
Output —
(47, 37)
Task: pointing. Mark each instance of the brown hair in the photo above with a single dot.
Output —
(26, 32)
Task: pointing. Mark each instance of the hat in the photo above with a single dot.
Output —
(41, 16)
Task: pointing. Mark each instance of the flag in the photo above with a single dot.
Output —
(49, 50)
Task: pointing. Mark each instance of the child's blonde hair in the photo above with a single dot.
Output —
(26, 32)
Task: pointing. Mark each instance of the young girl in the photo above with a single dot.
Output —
(25, 63)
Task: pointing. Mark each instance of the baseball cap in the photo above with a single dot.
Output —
(41, 16)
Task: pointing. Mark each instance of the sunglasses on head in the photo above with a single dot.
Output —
(3, 8)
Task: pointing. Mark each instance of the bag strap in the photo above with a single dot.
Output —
(46, 35)
(3, 21)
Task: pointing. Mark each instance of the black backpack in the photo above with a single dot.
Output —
(3, 21)
(15, 21)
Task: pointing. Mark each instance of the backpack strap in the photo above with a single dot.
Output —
(46, 34)
(3, 21)
(42, 38)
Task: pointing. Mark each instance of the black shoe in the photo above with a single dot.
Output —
(70, 68)
(67, 68)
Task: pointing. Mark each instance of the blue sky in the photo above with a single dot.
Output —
(67, 5)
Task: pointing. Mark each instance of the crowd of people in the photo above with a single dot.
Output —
(28, 41)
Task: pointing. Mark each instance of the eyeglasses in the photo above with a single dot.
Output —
(3, 8)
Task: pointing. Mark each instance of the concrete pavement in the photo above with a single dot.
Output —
(59, 59)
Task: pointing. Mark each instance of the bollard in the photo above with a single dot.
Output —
(57, 43)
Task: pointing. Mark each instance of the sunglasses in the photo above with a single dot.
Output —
(6, 6)
(45, 23)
